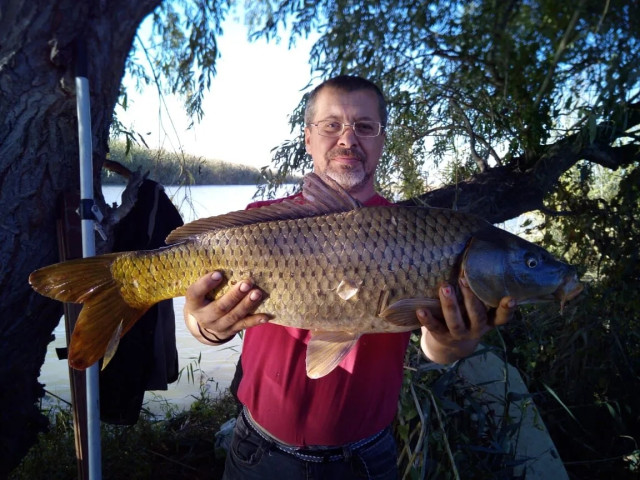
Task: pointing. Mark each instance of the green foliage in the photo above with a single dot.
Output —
(177, 169)
(475, 83)
(54, 455)
(602, 229)
(581, 365)
(181, 51)
(177, 55)
(290, 158)
(590, 356)
(583, 368)
(450, 428)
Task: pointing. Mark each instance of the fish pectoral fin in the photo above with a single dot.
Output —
(326, 350)
(403, 312)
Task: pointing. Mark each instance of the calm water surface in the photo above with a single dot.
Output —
(216, 363)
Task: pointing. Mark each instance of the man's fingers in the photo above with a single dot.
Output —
(480, 321)
(451, 311)
(238, 303)
(430, 322)
(458, 335)
(196, 293)
(505, 311)
(475, 308)
(248, 322)
(229, 314)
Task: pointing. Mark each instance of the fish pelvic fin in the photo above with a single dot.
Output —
(104, 314)
(403, 312)
(326, 350)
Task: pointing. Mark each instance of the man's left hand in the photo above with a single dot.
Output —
(458, 335)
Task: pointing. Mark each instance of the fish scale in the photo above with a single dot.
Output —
(337, 269)
(299, 264)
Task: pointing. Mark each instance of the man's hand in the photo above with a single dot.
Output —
(216, 322)
(455, 338)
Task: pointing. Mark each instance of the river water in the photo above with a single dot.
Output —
(214, 365)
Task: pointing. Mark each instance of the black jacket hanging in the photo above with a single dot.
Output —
(147, 357)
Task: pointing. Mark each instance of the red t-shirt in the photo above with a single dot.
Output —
(356, 400)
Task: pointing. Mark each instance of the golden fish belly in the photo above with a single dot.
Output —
(332, 272)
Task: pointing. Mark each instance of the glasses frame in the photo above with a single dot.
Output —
(345, 125)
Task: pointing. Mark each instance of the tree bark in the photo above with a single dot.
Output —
(39, 161)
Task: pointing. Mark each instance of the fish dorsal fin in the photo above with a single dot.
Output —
(327, 195)
(326, 350)
(318, 198)
(403, 312)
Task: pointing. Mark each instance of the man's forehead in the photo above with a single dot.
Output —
(333, 102)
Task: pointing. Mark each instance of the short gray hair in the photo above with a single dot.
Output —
(346, 83)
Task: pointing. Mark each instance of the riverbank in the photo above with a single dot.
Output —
(180, 444)
(170, 168)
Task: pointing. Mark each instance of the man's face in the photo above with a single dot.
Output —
(349, 160)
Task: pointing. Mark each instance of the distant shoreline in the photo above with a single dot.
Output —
(170, 168)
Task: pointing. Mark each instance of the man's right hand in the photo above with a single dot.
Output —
(216, 322)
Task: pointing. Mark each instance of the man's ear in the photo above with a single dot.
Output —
(307, 138)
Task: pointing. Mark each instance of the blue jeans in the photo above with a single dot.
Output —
(252, 456)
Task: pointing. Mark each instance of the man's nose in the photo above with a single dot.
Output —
(348, 137)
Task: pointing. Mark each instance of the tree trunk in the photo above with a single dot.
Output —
(38, 161)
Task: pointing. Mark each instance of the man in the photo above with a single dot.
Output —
(335, 426)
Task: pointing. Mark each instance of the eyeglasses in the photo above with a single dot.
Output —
(363, 128)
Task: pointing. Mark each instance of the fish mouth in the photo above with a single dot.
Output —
(569, 289)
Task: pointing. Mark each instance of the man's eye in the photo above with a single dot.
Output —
(332, 125)
(365, 127)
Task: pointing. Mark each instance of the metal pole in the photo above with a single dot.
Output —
(88, 245)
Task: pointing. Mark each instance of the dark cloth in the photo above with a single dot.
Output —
(253, 456)
(147, 357)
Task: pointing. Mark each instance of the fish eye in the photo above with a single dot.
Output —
(530, 260)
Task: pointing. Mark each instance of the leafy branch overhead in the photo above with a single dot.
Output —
(506, 96)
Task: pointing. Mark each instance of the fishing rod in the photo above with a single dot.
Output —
(88, 214)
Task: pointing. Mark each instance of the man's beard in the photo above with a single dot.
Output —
(349, 177)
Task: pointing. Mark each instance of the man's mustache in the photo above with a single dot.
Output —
(345, 152)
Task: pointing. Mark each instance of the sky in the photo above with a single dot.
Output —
(257, 86)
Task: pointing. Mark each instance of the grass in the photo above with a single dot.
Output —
(175, 445)
(170, 444)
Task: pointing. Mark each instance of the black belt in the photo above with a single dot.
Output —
(317, 454)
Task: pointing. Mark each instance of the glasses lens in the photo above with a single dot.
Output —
(367, 129)
(329, 128)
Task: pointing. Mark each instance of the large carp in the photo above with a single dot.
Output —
(326, 264)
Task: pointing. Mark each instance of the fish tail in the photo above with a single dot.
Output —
(105, 313)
